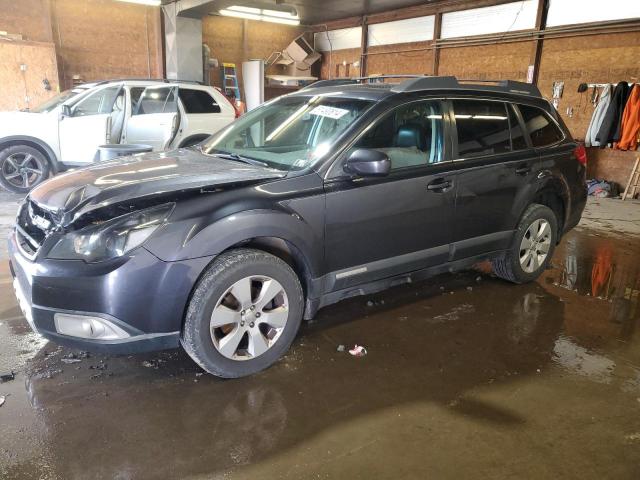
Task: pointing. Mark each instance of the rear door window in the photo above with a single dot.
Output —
(136, 93)
(197, 101)
(541, 128)
(518, 139)
(482, 127)
(157, 100)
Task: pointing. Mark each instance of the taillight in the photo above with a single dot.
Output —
(233, 102)
(581, 154)
(236, 108)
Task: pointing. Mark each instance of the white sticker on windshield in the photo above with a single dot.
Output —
(330, 112)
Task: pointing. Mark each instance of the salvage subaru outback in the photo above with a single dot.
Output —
(317, 196)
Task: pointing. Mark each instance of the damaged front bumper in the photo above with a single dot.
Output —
(130, 304)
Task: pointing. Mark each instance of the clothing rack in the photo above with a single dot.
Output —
(600, 85)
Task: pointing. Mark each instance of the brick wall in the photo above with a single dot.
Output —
(95, 39)
(25, 88)
(101, 39)
(233, 40)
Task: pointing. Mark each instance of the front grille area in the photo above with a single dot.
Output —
(32, 227)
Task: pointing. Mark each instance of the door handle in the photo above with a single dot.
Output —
(439, 185)
(523, 171)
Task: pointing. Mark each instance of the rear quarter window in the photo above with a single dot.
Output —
(541, 128)
(197, 101)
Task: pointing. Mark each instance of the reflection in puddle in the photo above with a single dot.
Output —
(578, 360)
(608, 271)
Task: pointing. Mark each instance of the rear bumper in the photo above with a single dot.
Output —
(140, 294)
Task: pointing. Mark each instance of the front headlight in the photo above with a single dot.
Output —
(113, 238)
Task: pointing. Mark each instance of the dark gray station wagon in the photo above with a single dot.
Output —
(317, 196)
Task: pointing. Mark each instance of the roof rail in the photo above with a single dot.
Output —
(452, 83)
(164, 80)
(356, 80)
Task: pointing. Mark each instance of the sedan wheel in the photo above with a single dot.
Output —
(535, 245)
(243, 314)
(249, 317)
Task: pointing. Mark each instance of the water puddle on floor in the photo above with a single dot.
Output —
(458, 359)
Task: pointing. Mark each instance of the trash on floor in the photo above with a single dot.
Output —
(7, 377)
(358, 351)
(70, 360)
(2, 399)
(341, 348)
(602, 188)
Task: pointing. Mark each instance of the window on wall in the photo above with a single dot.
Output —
(418, 29)
(542, 130)
(340, 39)
(482, 127)
(567, 12)
(508, 17)
(410, 135)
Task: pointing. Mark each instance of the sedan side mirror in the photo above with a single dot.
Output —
(65, 111)
(366, 162)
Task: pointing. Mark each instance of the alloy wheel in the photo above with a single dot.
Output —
(22, 170)
(535, 245)
(249, 317)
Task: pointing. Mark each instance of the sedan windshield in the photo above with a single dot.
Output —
(290, 133)
(57, 100)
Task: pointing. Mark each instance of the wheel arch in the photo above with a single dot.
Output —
(554, 193)
(36, 143)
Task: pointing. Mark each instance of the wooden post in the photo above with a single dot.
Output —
(363, 47)
(541, 25)
(437, 29)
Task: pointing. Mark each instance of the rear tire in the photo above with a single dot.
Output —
(532, 246)
(22, 168)
(244, 313)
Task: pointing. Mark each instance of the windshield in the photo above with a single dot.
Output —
(290, 133)
(57, 100)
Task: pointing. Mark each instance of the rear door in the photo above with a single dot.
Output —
(88, 126)
(155, 119)
(496, 166)
(203, 113)
(380, 227)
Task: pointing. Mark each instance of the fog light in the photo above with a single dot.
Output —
(84, 326)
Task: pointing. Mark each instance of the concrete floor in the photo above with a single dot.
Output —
(466, 377)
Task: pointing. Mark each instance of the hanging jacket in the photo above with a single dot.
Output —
(630, 121)
(613, 116)
(598, 117)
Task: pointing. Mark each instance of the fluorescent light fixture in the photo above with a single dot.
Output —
(263, 15)
(151, 3)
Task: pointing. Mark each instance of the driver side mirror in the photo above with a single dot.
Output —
(65, 111)
(366, 162)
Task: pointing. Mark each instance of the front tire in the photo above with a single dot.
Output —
(532, 247)
(22, 168)
(244, 313)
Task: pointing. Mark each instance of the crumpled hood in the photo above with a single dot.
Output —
(137, 176)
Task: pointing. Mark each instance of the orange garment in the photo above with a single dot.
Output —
(630, 121)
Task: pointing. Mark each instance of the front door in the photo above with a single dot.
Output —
(88, 126)
(380, 227)
(154, 120)
(496, 165)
